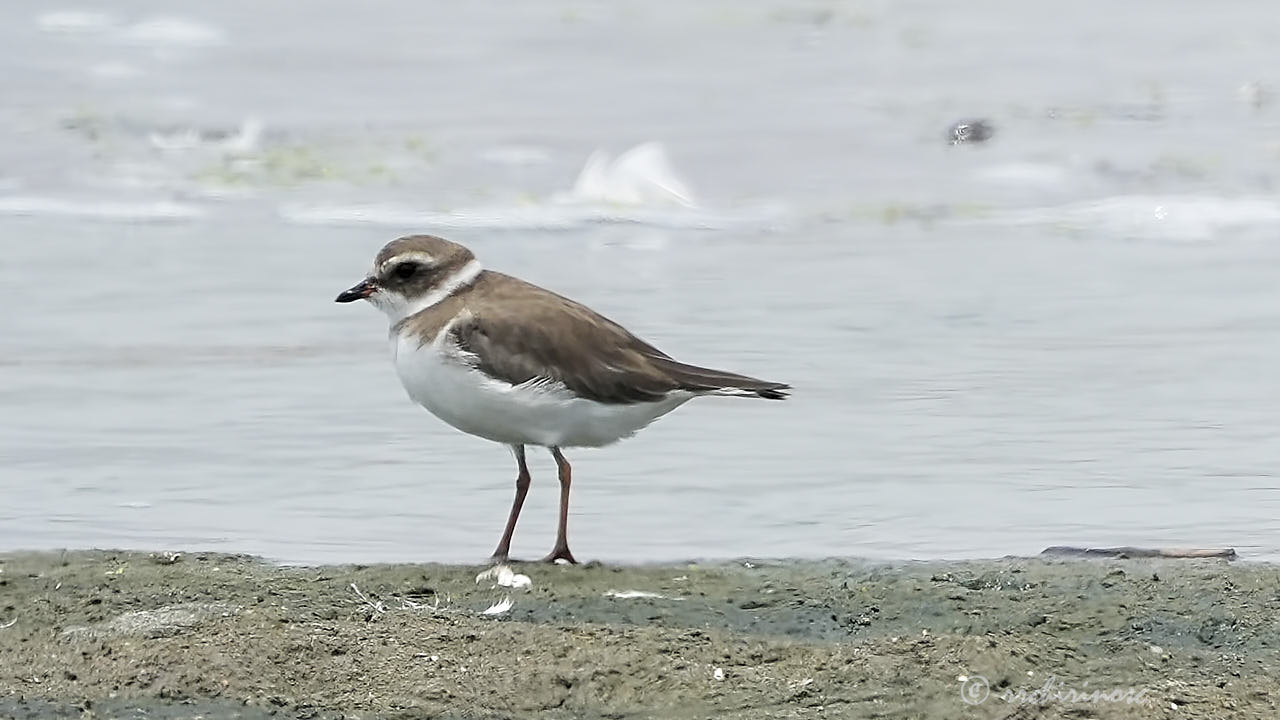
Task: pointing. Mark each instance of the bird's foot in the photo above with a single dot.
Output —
(560, 553)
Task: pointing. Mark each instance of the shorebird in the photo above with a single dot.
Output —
(503, 359)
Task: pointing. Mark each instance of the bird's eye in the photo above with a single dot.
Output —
(404, 271)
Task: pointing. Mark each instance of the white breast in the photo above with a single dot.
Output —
(438, 377)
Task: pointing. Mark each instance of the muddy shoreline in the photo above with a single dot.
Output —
(103, 634)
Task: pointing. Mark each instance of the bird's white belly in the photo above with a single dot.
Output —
(531, 413)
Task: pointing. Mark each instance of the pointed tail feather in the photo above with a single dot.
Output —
(719, 382)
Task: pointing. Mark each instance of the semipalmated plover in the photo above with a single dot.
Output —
(506, 360)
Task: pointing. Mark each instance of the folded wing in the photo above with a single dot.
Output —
(558, 341)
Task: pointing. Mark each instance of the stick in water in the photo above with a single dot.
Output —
(1136, 552)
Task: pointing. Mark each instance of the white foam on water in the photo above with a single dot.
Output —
(74, 21)
(513, 217)
(523, 217)
(1156, 217)
(172, 32)
(245, 140)
(31, 205)
(639, 187)
(642, 175)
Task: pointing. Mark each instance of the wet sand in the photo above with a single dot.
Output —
(101, 634)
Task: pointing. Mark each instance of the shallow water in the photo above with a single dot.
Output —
(1066, 335)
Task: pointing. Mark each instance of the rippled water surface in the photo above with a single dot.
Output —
(1069, 334)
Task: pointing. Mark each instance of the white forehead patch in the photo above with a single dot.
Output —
(411, 255)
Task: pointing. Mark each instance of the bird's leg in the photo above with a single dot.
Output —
(561, 551)
(522, 489)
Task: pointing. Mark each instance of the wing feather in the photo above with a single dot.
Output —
(535, 335)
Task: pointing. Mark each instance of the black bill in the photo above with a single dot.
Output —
(359, 291)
